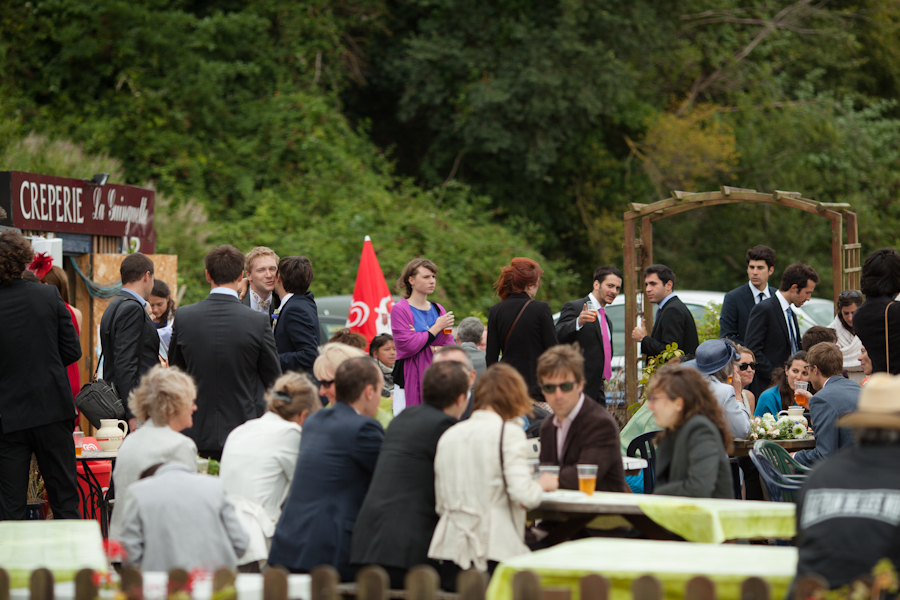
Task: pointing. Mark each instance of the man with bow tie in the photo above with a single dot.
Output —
(296, 320)
(585, 321)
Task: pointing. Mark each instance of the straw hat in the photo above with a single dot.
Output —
(712, 356)
(878, 406)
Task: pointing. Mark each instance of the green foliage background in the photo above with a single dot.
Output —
(470, 132)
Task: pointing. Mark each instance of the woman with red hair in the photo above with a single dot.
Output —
(519, 327)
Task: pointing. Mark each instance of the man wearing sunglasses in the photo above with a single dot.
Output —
(740, 301)
(581, 431)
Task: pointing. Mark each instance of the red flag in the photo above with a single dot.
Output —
(371, 308)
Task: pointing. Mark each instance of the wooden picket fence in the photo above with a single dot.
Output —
(422, 583)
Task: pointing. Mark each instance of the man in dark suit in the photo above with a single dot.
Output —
(228, 349)
(261, 265)
(397, 518)
(127, 334)
(297, 322)
(836, 396)
(580, 432)
(37, 413)
(773, 333)
(740, 301)
(338, 452)
(585, 321)
(674, 322)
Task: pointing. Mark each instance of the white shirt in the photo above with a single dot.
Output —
(756, 292)
(594, 304)
(258, 463)
(254, 304)
(562, 428)
(224, 290)
(785, 305)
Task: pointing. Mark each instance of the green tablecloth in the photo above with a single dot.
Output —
(694, 519)
(673, 563)
(65, 547)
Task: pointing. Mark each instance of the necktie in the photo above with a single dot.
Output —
(761, 297)
(607, 346)
(261, 305)
(794, 346)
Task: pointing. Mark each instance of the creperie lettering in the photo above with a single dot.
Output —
(51, 203)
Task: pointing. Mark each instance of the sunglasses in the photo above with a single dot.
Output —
(850, 294)
(743, 366)
(326, 383)
(549, 388)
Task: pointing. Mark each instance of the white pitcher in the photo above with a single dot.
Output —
(111, 434)
(795, 413)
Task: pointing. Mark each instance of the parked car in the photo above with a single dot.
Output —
(333, 311)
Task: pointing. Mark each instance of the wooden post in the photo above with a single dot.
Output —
(853, 264)
(422, 583)
(594, 587)
(132, 582)
(755, 588)
(4, 584)
(526, 585)
(471, 584)
(41, 584)
(178, 580)
(85, 588)
(646, 587)
(372, 583)
(646, 261)
(224, 578)
(630, 291)
(275, 584)
(556, 594)
(837, 257)
(324, 580)
(809, 586)
(700, 588)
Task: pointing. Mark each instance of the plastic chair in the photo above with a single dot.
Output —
(778, 487)
(780, 457)
(642, 447)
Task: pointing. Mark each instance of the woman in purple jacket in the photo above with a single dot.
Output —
(418, 327)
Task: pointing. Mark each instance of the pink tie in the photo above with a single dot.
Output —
(607, 347)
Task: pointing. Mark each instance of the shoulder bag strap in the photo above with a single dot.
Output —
(509, 333)
(112, 321)
(503, 470)
(887, 346)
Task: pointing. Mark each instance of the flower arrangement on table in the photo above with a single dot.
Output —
(768, 427)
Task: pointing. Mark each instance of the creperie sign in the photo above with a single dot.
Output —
(44, 203)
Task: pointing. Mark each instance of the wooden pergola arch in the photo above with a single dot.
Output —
(845, 258)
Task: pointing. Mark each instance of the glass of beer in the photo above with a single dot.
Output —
(78, 436)
(550, 469)
(800, 398)
(448, 330)
(587, 478)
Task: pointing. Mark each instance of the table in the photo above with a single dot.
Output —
(622, 561)
(705, 520)
(742, 447)
(63, 546)
(97, 499)
(249, 586)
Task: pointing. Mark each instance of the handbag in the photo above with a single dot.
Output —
(100, 399)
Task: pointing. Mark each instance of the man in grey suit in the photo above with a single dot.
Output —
(836, 396)
(228, 349)
(468, 334)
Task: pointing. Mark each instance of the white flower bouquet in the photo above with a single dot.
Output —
(768, 427)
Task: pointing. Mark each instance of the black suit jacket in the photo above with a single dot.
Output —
(590, 339)
(272, 306)
(125, 359)
(397, 518)
(593, 439)
(768, 338)
(533, 334)
(38, 341)
(674, 323)
(230, 352)
(297, 333)
(338, 452)
(735, 313)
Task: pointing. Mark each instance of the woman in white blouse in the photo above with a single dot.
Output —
(258, 462)
(164, 402)
(483, 485)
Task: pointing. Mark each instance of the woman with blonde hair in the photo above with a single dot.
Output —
(165, 402)
(259, 459)
(483, 484)
(692, 451)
